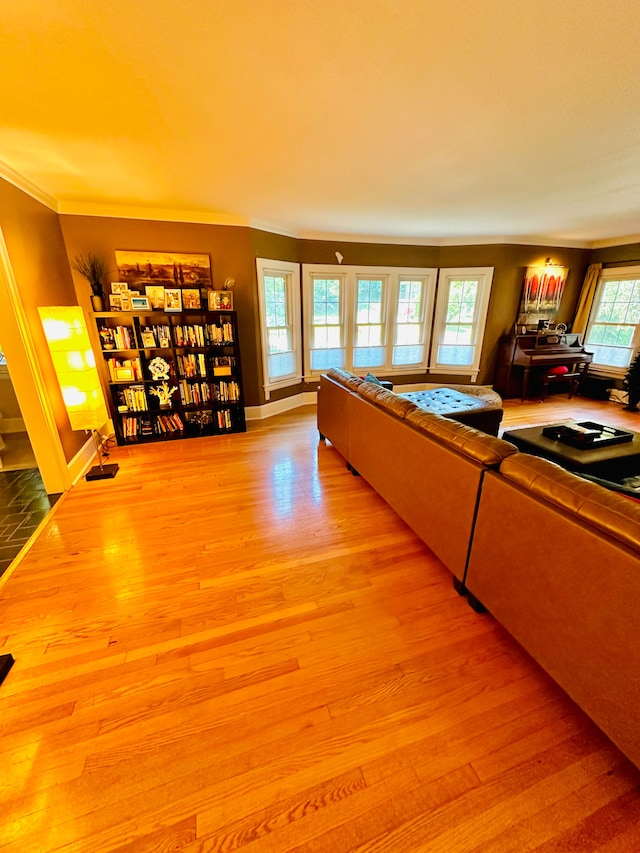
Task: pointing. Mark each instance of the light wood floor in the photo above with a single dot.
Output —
(237, 644)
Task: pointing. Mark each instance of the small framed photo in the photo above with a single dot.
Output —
(190, 298)
(148, 339)
(124, 374)
(220, 300)
(155, 295)
(140, 303)
(125, 300)
(115, 302)
(172, 299)
(119, 287)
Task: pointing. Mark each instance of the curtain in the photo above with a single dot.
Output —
(586, 298)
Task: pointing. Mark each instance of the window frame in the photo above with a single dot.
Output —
(290, 271)
(484, 277)
(349, 275)
(628, 273)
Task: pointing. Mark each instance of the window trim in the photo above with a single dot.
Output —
(291, 272)
(611, 274)
(391, 278)
(484, 277)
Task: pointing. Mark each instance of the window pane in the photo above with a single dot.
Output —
(455, 355)
(275, 300)
(611, 356)
(282, 364)
(368, 357)
(457, 334)
(408, 334)
(369, 336)
(326, 301)
(278, 340)
(327, 336)
(407, 355)
(324, 359)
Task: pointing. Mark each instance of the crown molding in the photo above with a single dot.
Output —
(153, 214)
(485, 240)
(20, 182)
(259, 225)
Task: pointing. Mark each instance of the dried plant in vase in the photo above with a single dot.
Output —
(94, 270)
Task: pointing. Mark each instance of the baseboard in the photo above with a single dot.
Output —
(277, 407)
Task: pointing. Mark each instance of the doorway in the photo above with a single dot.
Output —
(23, 498)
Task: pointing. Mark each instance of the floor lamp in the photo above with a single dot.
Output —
(75, 365)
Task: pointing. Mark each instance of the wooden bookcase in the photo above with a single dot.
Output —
(193, 355)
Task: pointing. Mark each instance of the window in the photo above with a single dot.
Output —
(613, 333)
(279, 298)
(326, 346)
(461, 311)
(367, 318)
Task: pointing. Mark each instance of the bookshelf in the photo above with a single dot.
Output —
(171, 374)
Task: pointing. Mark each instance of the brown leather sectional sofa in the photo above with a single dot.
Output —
(553, 557)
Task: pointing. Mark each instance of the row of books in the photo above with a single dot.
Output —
(194, 393)
(220, 334)
(123, 337)
(190, 336)
(156, 336)
(227, 392)
(134, 398)
(169, 423)
(123, 369)
(224, 419)
(192, 364)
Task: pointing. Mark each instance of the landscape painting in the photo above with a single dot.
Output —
(166, 269)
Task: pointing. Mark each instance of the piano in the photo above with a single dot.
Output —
(519, 354)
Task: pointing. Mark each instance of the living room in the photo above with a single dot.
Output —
(235, 642)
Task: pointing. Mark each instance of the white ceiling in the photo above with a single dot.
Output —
(412, 120)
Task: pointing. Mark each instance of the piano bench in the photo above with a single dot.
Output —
(558, 375)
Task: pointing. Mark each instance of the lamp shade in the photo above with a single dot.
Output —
(75, 365)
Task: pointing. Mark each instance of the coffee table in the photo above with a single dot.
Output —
(607, 462)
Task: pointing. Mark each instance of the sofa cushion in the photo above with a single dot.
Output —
(601, 508)
(344, 378)
(483, 448)
(379, 396)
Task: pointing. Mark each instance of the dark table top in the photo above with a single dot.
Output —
(531, 440)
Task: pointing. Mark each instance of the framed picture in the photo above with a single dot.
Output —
(140, 303)
(119, 286)
(115, 302)
(155, 295)
(175, 269)
(172, 299)
(148, 339)
(125, 300)
(123, 374)
(190, 298)
(220, 300)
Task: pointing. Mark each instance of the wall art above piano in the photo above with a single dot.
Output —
(541, 294)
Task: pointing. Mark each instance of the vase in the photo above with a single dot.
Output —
(97, 302)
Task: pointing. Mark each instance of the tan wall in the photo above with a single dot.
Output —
(630, 254)
(39, 262)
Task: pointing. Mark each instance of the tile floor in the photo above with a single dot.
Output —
(24, 502)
